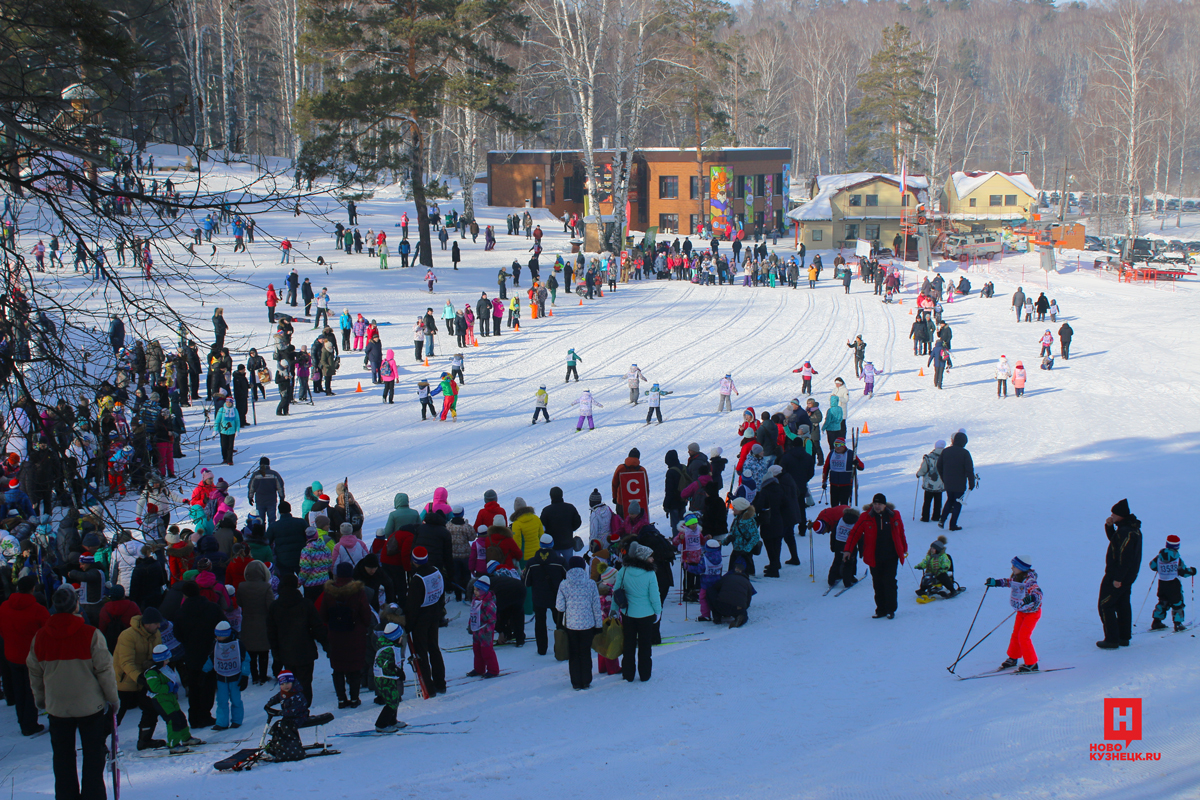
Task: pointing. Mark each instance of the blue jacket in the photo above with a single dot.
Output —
(641, 591)
(345, 322)
(228, 423)
(15, 499)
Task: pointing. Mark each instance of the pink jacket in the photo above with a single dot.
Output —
(497, 308)
(1018, 378)
(439, 503)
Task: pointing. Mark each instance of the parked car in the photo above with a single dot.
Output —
(963, 246)
(1093, 243)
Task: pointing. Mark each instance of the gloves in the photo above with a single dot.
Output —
(243, 683)
(991, 582)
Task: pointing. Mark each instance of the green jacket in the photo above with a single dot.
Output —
(935, 565)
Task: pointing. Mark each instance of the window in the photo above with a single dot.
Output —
(971, 202)
(694, 187)
(760, 185)
(872, 232)
(994, 199)
(569, 187)
(904, 199)
(856, 200)
(693, 223)
(852, 231)
(668, 223)
(872, 200)
(739, 185)
(668, 187)
(817, 235)
(779, 183)
(1010, 199)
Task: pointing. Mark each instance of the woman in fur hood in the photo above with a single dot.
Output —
(344, 611)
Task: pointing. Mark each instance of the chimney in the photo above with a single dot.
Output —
(603, 142)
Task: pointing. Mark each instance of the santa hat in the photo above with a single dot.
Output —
(1173, 542)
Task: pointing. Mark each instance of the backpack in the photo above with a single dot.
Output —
(664, 551)
(931, 466)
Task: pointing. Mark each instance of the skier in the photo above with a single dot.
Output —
(585, 403)
(937, 570)
(860, 351)
(573, 358)
(868, 375)
(1121, 565)
(540, 401)
(806, 376)
(931, 481)
(724, 389)
(633, 379)
(838, 473)
(1026, 599)
(231, 664)
(884, 548)
(656, 395)
(1002, 373)
(1170, 569)
(163, 683)
(837, 521)
(482, 624)
(1047, 341)
(424, 395)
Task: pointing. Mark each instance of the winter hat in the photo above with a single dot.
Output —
(64, 600)
(879, 498)
(938, 545)
(757, 450)
(223, 629)
(576, 562)
(161, 653)
(285, 677)
(640, 551)
(635, 508)
(310, 533)
(940, 444)
(693, 448)
(322, 522)
(483, 582)
(457, 512)
(151, 616)
(542, 387)
(595, 498)
(172, 538)
(92, 541)
(1121, 509)
(547, 541)
(519, 502)
(1023, 563)
(715, 452)
(420, 555)
(87, 559)
(498, 521)
(346, 529)
(481, 530)
(840, 441)
(774, 470)
(691, 519)
(748, 436)
(796, 402)
(747, 473)
(713, 543)
(740, 504)
(492, 566)
(635, 453)
(1172, 542)
(116, 592)
(380, 533)
(345, 570)
(392, 632)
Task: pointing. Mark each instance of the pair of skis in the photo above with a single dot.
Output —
(845, 589)
(992, 673)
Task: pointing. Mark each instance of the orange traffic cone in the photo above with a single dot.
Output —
(865, 430)
(910, 312)
(581, 301)
(901, 302)
(535, 312)
(550, 312)
(897, 397)
(517, 327)
(359, 389)
(476, 342)
(921, 372)
(427, 361)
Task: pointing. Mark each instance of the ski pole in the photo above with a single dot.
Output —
(1147, 597)
(812, 564)
(989, 633)
(916, 492)
(968, 636)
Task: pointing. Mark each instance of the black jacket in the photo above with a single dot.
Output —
(732, 590)
(545, 571)
(373, 583)
(509, 591)
(793, 499)
(799, 464)
(416, 594)
(434, 537)
(955, 465)
(194, 625)
(560, 520)
(768, 437)
(1124, 557)
(294, 628)
(287, 539)
(1065, 332)
(676, 475)
(768, 505)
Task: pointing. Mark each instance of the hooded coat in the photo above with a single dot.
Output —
(955, 466)
(675, 482)
(293, 628)
(561, 519)
(433, 535)
(254, 598)
(347, 617)
(287, 538)
(527, 531)
(401, 515)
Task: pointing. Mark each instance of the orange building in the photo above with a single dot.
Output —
(744, 185)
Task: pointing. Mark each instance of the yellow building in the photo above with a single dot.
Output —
(987, 200)
(844, 208)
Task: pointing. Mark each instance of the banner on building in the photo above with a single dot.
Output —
(606, 184)
(718, 195)
(769, 197)
(786, 189)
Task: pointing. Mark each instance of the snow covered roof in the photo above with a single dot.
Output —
(820, 207)
(967, 182)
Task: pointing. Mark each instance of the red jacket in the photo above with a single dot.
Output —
(867, 528)
(404, 541)
(124, 610)
(488, 513)
(630, 465)
(512, 553)
(21, 616)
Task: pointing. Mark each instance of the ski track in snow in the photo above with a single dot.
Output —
(813, 698)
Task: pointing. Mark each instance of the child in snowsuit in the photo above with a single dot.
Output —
(448, 389)
(423, 394)
(1002, 373)
(231, 663)
(656, 395)
(456, 369)
(540, 401)
(1047, 362)
(585, 403)
(937, 572)
(709, 568)
(868, 375)
(162, 681)
(1019, 379)
(689, 541)
(291, 705)
(389, 677)
(1026, 598)
(806, 376)
(1170, 569)
(482, 625)
(744, 535)
(1028, 310)
(573, 358)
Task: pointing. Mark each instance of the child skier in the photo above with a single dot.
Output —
(868, 375)
(448, 389)
(689, 540)
(573, 358)
(482, 625)
(806, 376)
(709, 569)
(585, 403)
(389, 677)
(1002, 373)
(424, 395)
(656, 395)
(540, 401)
(1019, 379)
(456, 368)
(938, 573)
(231, 663)
(162, 681)
(291, 705)
(1026, 598)
(430, 280)
(1170, 569)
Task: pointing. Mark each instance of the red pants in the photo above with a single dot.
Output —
(448, 408)
(166, 458)
(116, 484)
(485, 657)
(608, 666)
(1020, 645)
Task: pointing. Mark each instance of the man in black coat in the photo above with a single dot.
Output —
(307, 294)
(424, 609)
(293, 630)
(241, 393)
(561, 519)
(287, 538)
(793, 514)
(433, 535)
(116, 334)
(544, 572)
(769, 508)
(195, 367)
(293, 283)
(194, 624)
(1121, 565)
(1065, 332)
(958, 474)
(676, 481)
(510, 607)
(768, 437)
(731, 596)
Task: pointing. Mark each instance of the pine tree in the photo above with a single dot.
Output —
(893, 100)
(387, 67)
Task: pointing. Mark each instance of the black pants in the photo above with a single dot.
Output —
(883, 578)
(936, 499)
(1064, 346)
(291, 294)
(539, 626)
(773, 545)
(484, 330)
(227, 447)
(138, 699)
(343, 680)
(329, 383)
(952, 508)
(1115, 612)
(22, 697)
(495, 326)
(511, 622)
(321, 317)
(844, 568)
(285, 399)
(572, 370)
(425, 647)
(93, 733)
(387, 716)
(462, 380)
(345, 338)
(542, 411)
(258, 665)
(202, 692)
(841, 495)
(579, 657)
(653, 411)
(639, 639)
(938, 371)
(418, 346)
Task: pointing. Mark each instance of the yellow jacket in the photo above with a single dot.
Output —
(527, 531)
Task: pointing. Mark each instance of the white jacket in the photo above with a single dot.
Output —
(579, 601)
(600, 524)
(585, 403)
(727, 386)
(1002, 370)
(633, 378)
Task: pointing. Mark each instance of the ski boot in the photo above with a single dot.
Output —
(1180, 627)
(1158, 625)
(1027, 668)
(1009, 663)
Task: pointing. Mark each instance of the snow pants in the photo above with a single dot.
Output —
(229, 704)
(1170, 595)
(725, 404)
(1115, 612)
(1020, 645)
(485, 657)
(883, 578)
(588, 417)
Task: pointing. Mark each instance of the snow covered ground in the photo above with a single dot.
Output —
(812, 698)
